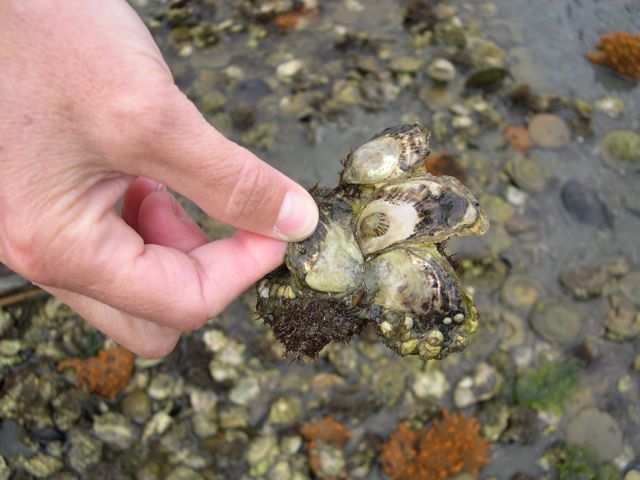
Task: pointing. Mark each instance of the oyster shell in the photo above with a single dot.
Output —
(378, 256)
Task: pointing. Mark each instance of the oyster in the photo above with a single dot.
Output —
(378, 256)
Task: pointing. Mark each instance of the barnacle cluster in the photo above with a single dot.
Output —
(377, 256)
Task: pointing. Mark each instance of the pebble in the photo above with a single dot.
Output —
(441, 70)
(597, 430)
(585, 281)
(287, 70)
(114, 429)
(612, 106)
(483, 385)
(556, 321)
(585, 205)
(549, 131)
(621, 147)
(85, 450)
(431, 384)
(632, 475)
(406, 65)
(137, 406)
(285, 411)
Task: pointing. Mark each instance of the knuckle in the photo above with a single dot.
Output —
(248, 195)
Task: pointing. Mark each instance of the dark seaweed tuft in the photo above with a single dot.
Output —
(305, 325)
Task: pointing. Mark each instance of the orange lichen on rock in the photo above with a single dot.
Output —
(322, 434)
(448, 447)
(518, 136)
(619, 51)
(106, 374)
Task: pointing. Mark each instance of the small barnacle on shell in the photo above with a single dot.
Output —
(376, 257)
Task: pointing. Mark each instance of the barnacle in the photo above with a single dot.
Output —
(377, 256)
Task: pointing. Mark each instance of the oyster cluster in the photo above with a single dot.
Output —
(377, 256)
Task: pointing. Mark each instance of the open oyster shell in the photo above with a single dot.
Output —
(377, 257)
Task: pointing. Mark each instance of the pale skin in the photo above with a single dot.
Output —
(89, 113)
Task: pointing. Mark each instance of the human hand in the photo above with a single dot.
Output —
(89, 113)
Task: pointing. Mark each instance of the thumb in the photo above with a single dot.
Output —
(180, 149)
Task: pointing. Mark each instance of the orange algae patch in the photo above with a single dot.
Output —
(448, 447)
(325, 431)
(296, 18)
(619, 51)
(518, 136)
(444, 164)
(106, 374)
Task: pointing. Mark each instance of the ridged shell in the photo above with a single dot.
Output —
(423, 209)
(388, 155)
(426, 310)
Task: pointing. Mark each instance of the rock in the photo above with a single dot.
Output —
(164, 386)
(158, 424)
(213, 101)
(431, 384)
(441, 70)
(408, 65)
(261, 454)
(136, 406)
(585, 205)
(486, 78)
(184, 473)
(243, 115)
(612, 106)
(246, 390)
(483, 385)
(497, 209)
(528, 173)
(512, 330)
(621, 147)
(5, 471)
(623, 319)
(234, 417)
(597, 430)
(494, 419)
(520, 291)
(42, 465)
(630, 286)
(585, 281)
(114, 429)
(84, 451)
(549, 131)
(632, 475)
(285, 411)
(556, 321)
(389, 381)
(287, 70)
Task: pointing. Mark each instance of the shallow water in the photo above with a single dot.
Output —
(545, 42)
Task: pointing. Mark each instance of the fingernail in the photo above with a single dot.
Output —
(298, 216)
(161, 187)
(179, 210)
